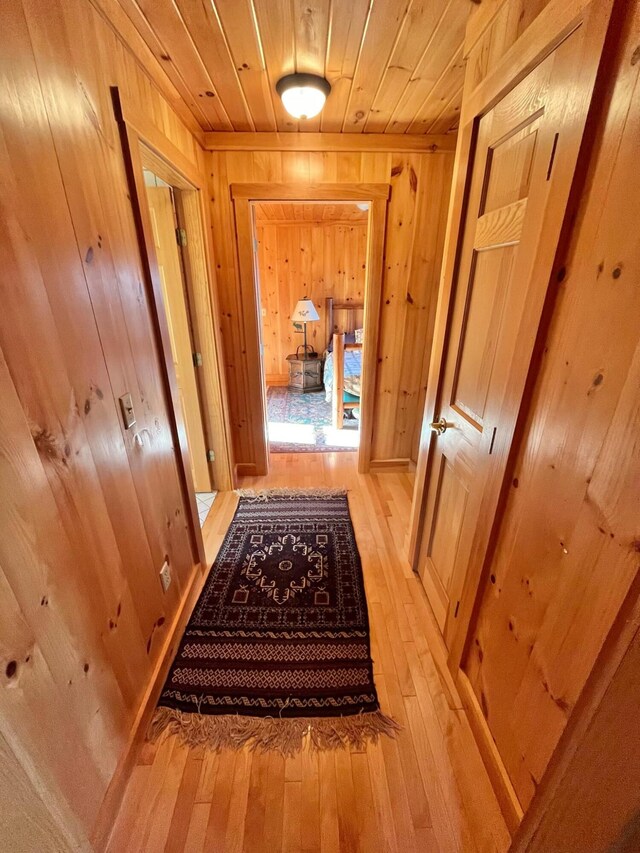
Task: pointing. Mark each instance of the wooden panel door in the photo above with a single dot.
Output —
(521, 169)
(163, 222)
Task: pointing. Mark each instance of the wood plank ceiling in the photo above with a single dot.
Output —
(395, 66)
(304, 213)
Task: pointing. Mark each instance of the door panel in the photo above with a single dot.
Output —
(510, 195)
(510, 169)
(170, 269)
(479, 338)
(450, 504)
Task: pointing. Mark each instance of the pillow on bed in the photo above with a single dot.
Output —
(359, 336)
(349, 338)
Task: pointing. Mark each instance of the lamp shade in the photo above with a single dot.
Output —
(303, 95)
(305, 312)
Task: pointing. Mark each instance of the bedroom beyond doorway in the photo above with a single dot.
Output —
(311, 263)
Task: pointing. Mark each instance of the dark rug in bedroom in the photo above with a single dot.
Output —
(277, 647)
(302, 423)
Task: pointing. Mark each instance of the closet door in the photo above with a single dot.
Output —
(522, 160)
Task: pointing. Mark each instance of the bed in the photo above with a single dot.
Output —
(343, 358)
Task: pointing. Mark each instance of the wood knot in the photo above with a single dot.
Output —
(45, 443)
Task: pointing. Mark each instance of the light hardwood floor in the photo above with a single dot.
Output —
(427, 790)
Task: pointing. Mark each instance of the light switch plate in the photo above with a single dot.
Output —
(165, 575)
(126, 408)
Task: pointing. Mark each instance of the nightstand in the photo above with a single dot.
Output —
(305, 374)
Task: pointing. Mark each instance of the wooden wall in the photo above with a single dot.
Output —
(567, 549)
(415, 232)
(297, 260)
(492, 28)
(87, 514)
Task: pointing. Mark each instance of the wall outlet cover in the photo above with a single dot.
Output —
(165, 575)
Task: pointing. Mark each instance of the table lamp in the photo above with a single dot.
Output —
(305, 312)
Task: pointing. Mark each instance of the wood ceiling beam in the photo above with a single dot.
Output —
(387, 142)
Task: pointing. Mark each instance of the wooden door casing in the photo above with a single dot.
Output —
(169, 266)
(243, 195)
(521, 134)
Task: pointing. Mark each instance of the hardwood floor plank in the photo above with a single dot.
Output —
(181, 818)
(329, 830)
(310, 835)
(159, 824)
(220, 803)
(292, 818)
(347, 813)
(238, 802)
(197, 828)
(206, 782)
(256, 801)
(368, 835)
(272, 835)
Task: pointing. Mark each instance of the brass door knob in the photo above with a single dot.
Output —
(439, 427)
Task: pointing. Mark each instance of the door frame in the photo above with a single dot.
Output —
(243, 197)
(193, 409)
(144, 147)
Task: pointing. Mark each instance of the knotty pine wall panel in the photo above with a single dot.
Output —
(567, 550)
(493, 27)
(87, 515)
(311, 261)
(420, 186)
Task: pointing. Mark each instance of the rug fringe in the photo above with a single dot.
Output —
(281, 734)
(265, 494)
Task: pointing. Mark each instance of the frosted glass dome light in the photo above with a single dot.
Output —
(303, 95)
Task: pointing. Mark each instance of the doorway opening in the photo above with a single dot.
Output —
(311, 271)
(170, 239)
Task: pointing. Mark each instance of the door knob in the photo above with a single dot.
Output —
(439, 426)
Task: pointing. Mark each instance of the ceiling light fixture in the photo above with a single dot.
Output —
(303, 95)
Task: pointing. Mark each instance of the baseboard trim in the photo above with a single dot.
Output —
(392, 466)
(497, 772)
(276, 379)
(115, 792)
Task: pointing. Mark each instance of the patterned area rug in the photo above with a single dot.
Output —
(302, 423)
(277, 648)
